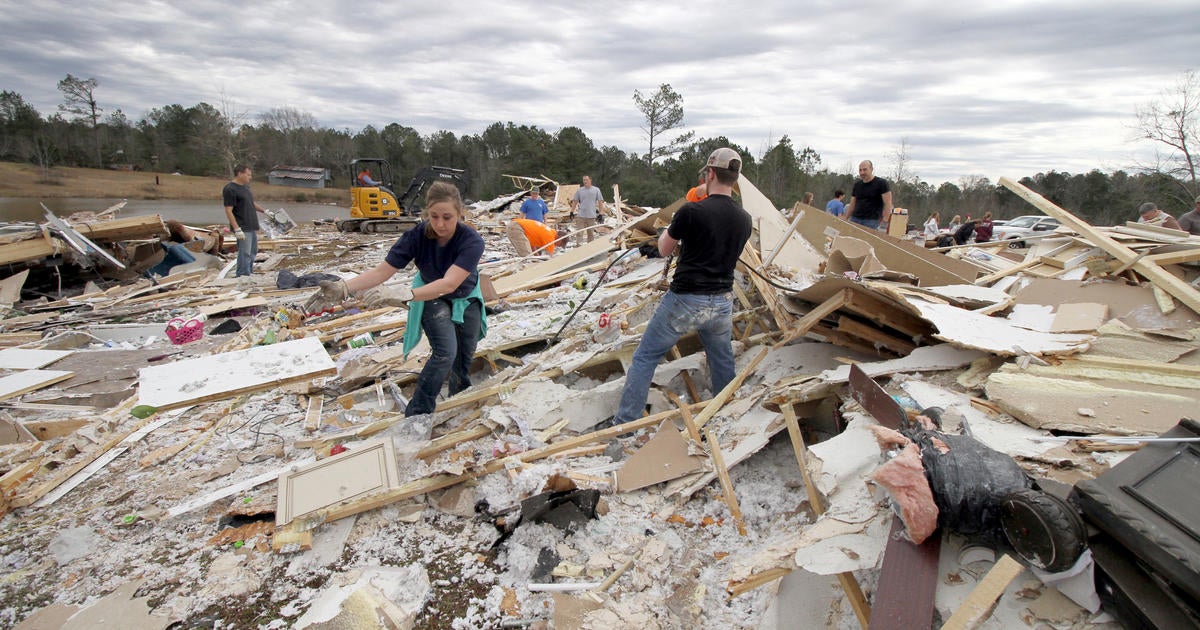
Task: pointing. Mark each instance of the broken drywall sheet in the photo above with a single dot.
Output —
(943, 356)
(29, 380)
(972, 293)
(798, 359)
(402, 591)
(27, 359)
(326, 548)
(831, 546)
(1012, 438)
(1134, 305)
(1037, 317)
(749, 433)
(972, 330)
(530, 399)
(119, 610)
(845, 461)
(773, 227)
(663, 458)
(369, 468)
(223, 375)
(804, 600)
(1086, 407)
(1079, 317)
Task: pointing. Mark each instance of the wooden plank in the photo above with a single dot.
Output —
(31, 249)
(978, 605)
(713, 406)
(451, 440)
(29, 380)
(312, 418)
(783, 319)
(814, 317)
(907, 581)
(224, 375)
(692, 430)
(1173, 285)
(1174, 258)
(123, 228)
(874, 336)
(231, 490)
(714, 450)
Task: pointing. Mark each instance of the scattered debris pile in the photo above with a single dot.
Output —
(261, 474)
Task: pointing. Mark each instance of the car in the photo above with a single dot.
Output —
(1016, 229)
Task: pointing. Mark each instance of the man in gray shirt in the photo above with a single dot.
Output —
(1190, 220)
(585, 205)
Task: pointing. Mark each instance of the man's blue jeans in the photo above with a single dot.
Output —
(711, 316)
(452, 348)
(247, 250)
(870, 224)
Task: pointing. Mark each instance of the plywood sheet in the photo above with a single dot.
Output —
(820, 228)
(29, 380)
(1079, 317)
(771, 224)
(663, 458)
(367, 469)
(27, 359)
(528, 277)
(1133, 305)
(222, 375)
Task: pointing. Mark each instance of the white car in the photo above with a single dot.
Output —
(1020, 227)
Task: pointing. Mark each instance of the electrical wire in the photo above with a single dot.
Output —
(553, 340)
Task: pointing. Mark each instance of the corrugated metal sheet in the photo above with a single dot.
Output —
(299, 172)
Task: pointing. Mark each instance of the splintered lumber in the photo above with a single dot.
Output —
(782, 318)
(41, 246)
(850, 585)
(814, 317)
(714, 449)
(123, 229)
(713, 406)
(1178, 288)
(974, 610)
(445, 480)
(312, 418)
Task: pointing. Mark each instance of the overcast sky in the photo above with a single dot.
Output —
(978, 88)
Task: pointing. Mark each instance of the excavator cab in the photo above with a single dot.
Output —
(374, 206)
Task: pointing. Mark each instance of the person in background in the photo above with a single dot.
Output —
(835, 205)
(534, 208)
(1190, 220)
(808, 199)
(242, 213)
(585, 205)
(983, 229)
(445, 301)
(364, 178)
(964, 233)
(870, 200)
(528, 236)
(931, 227)
(955, 223)
(700, 190)
(711, 235)
(1151, 215)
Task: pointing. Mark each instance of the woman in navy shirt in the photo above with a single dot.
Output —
(445, 301)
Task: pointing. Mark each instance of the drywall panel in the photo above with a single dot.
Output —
(26, 359)
(223, 375)
(29, 380)
(772, 226)
(368, 468)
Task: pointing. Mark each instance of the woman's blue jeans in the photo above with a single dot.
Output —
(711, 316)
(452, 351)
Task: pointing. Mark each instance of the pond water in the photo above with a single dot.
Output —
(194, 212)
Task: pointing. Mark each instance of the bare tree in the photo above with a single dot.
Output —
(1173, 123)
(79, 100)
(663, 111)
(902, 158)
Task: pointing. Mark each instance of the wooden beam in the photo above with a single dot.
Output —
(1178, 289)
(718, 401)
(814, 317)
(692, 431)
(714, 450)
(978, 605)
(312, 418)
(875, 336)
(1174, 258)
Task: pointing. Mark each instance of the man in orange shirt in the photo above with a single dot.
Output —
(528, 235)
(700, 191)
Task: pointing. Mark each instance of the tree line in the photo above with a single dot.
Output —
(208, 140)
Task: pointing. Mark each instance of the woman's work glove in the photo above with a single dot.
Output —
(332, 293)
(379, 297)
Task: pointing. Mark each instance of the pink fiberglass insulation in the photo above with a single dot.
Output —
(904, 479)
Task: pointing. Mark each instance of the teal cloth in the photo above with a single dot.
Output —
(412, 330)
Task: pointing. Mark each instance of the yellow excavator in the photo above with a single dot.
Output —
(374, 206)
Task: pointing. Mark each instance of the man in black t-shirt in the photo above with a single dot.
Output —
(871, 198)
(710, 234)
(240, 210)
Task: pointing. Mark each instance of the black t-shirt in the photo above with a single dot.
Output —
(868, 198)
(712, 234)
(239, 197)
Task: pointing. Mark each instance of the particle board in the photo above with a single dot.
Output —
(27, 359)
(367, 469)
(29, 380)
(663, 458)
(219, 376)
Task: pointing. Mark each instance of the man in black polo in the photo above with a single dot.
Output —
(871, 198)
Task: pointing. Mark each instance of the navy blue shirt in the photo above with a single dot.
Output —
(241, 200)
(464, 249)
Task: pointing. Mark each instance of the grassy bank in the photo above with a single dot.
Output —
(26, 180)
